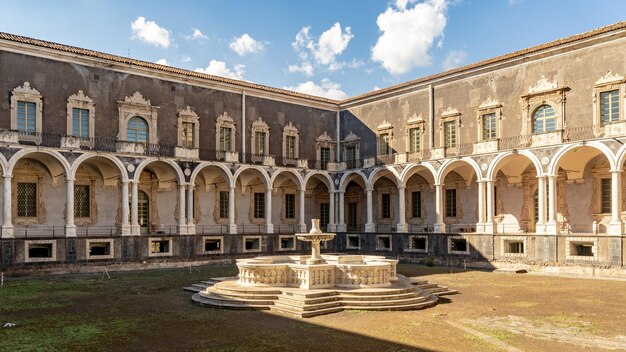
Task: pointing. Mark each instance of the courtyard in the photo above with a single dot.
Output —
(149, 311)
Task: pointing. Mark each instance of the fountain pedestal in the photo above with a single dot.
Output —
(315, 236)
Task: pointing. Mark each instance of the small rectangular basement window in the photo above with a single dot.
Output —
(99, 249)
(582, 249)
(417, 243)
(287, 243)
(383, 243)
(252, 244)
(40, 250)
(160, 247)
(515, 247)
(353, 242)
(213, 245)
(458, 245)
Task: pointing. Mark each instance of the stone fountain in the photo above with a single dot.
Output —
(318, 284)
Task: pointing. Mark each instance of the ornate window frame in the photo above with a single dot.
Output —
(610, 81)
(489, 106)
(260, 126)
(384, 128)
(80, 101)
(351, 140)
(28, 173)
(450, 114)
(136, 105)
(324, 141)
(291, 131)
(544, 92)
(84, 178)
(225, 121)
(188, 116)
(391, 191)
(27, 94)
(415, 121)
(283, 208)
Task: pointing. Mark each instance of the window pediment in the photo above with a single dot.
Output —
(450, 112)
(26, 89)
(324, 138)
(415, 119)
(290, 129)
(609, 78)
(351, 137)
(489, 103)
(260, 125)
(137, 99)
(384, 126)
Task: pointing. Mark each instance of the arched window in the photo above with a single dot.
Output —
(544, 119)
(137, 130)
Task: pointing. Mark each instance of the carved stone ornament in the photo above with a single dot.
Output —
(187, 112)
(225, 119)
(260, 125)
(324, 137)
(290, 129)
(384, 125)
(137, 99)
(80, 96)
(415, 119)
(543, 85)
(609, 77)
(489, 103)
(351, 137)
(450, 111)
(26, 89)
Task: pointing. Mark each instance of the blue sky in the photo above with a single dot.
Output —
(324, 47)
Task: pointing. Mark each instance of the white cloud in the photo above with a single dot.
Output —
(162, 62)
(326, 89)
(245, 44)
(338, 65)
(454, 59)
(185, 58)
(408, 34)
(219, 68)
(196, 34)
(150, 32)
(321, 51)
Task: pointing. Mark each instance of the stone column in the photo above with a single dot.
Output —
(301, 206)
(480, 225)
(439, 226)
(402, 225)
(124, 224)
(182, 219)
(552, 225)
(134, 216)
(70, 227)
(489, 228)
(331, 212)
(232, 227)
(616, 226)
(7, 224)
(191, 224)
(269, 228)
(369, 226)
(341, 226)
(541, 208)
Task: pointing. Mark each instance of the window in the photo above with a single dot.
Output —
(325, 150)
(188, 136)
(80, 122)
(451, 203)
(290, 147)
(544, 119)
(26, 117)
(415, 140)
(351, 216)
(290, 206)
(259, 146)
(259, 205)
(26, 200)
(458, 245)
(605, 193)
(416, 204)
(489, 126)
(449, 132)
(385, 205)
(81, 201)
(324, 215)
(609, 107)
(225, 139)
(137, 130)
(324, 157)
(515, 247)
(224, 200)
(351, 153)
(384, 147)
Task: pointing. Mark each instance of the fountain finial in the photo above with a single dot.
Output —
(315, 236)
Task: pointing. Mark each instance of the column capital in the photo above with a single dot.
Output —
(369, 189)
(540, 177)
(70, 179)
(400, 187)
(438, 185)
(616, 171)
(7, 175)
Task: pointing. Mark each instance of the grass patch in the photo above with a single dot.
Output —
(501, 334)
(525, 304)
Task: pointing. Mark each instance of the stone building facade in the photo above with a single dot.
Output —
(516, 158)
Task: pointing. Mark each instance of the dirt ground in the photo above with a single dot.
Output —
(148, 311)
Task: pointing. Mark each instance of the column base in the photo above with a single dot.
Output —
(135, 230)
(303, 228)
(615, 228)
(341, 228)
(269, 228)
(331, 228)
(232, 229)
(439, 228)
(552, 228)
(540, 229)
(70, 230)
(370, 228)
(489, 228)
(124, 230)
(402, 227)
(7, 231)
(191, 229)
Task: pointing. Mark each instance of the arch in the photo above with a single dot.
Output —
(448, 166)
(138, 127)
(496, 163)
(3, 164)
(24, 153)
(203, 165)
(558, 156)
(294, 175)
(374, 176)
(264, 177)
(408, 172)
(324, 177)
(90, 155)
(180, 177)
(346, 178)
(620, 157)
